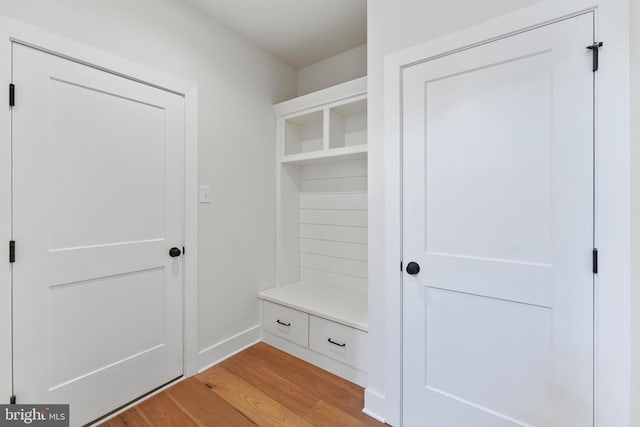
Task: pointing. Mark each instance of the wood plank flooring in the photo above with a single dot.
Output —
(261, 386)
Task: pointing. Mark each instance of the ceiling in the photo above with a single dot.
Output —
(299, 32)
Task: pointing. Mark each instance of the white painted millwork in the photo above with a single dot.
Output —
(336, 346)
(330, 132)
(612, 320)
(336, 367)
(321, 229)
(329, 302)
(286, 322)
(98, 203)
(498, 212)
(337, 341)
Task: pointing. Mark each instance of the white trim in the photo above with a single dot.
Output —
(5, 228)
(318, 100)
(374, 404)
(221, 351)
(612, 317)
(190, 259)
(373, 415)
(11, 31)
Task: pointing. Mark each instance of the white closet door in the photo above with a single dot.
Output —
(97, 207)
(498, 213)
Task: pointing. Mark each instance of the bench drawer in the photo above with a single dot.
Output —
(285, 322)
(343, 343)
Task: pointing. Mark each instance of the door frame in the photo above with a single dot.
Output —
(13, 31)
(612, 398)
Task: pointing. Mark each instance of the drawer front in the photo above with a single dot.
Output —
(340, 342)
(287, 323)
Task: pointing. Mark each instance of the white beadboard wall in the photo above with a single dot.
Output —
(333, 225)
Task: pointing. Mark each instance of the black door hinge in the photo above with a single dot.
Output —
(595, 48)
(12, 400)
(183, 251)
(400, 265)
(12, 95)
(595, 261)
(12, 251)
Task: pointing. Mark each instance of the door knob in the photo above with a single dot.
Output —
(413, 268)
(175, 252)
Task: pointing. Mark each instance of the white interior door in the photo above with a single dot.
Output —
(97, 205)
(498, 213)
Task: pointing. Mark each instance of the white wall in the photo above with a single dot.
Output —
(238, 83)
(341, 68)
(393, 26)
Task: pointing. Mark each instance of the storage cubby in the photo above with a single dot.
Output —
(348, 124)
(330, 131)
(304, 133)
(322, 231)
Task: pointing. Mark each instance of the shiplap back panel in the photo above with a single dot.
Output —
(333, 225)
(349, 176)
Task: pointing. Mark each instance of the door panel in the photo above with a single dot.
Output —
(467, 354)
(490, 217)
(77, 350)
(498, 212)
(97, 206)
(94, 126)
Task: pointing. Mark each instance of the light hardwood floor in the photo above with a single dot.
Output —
(260, 386)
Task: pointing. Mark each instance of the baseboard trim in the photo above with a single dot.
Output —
(372, 415)
(216, 353)
(374, 404)
(134, 403)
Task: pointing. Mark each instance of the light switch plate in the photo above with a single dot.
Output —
(205, 194)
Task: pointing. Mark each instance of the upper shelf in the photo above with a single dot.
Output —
(327, 125)
(344, 153)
